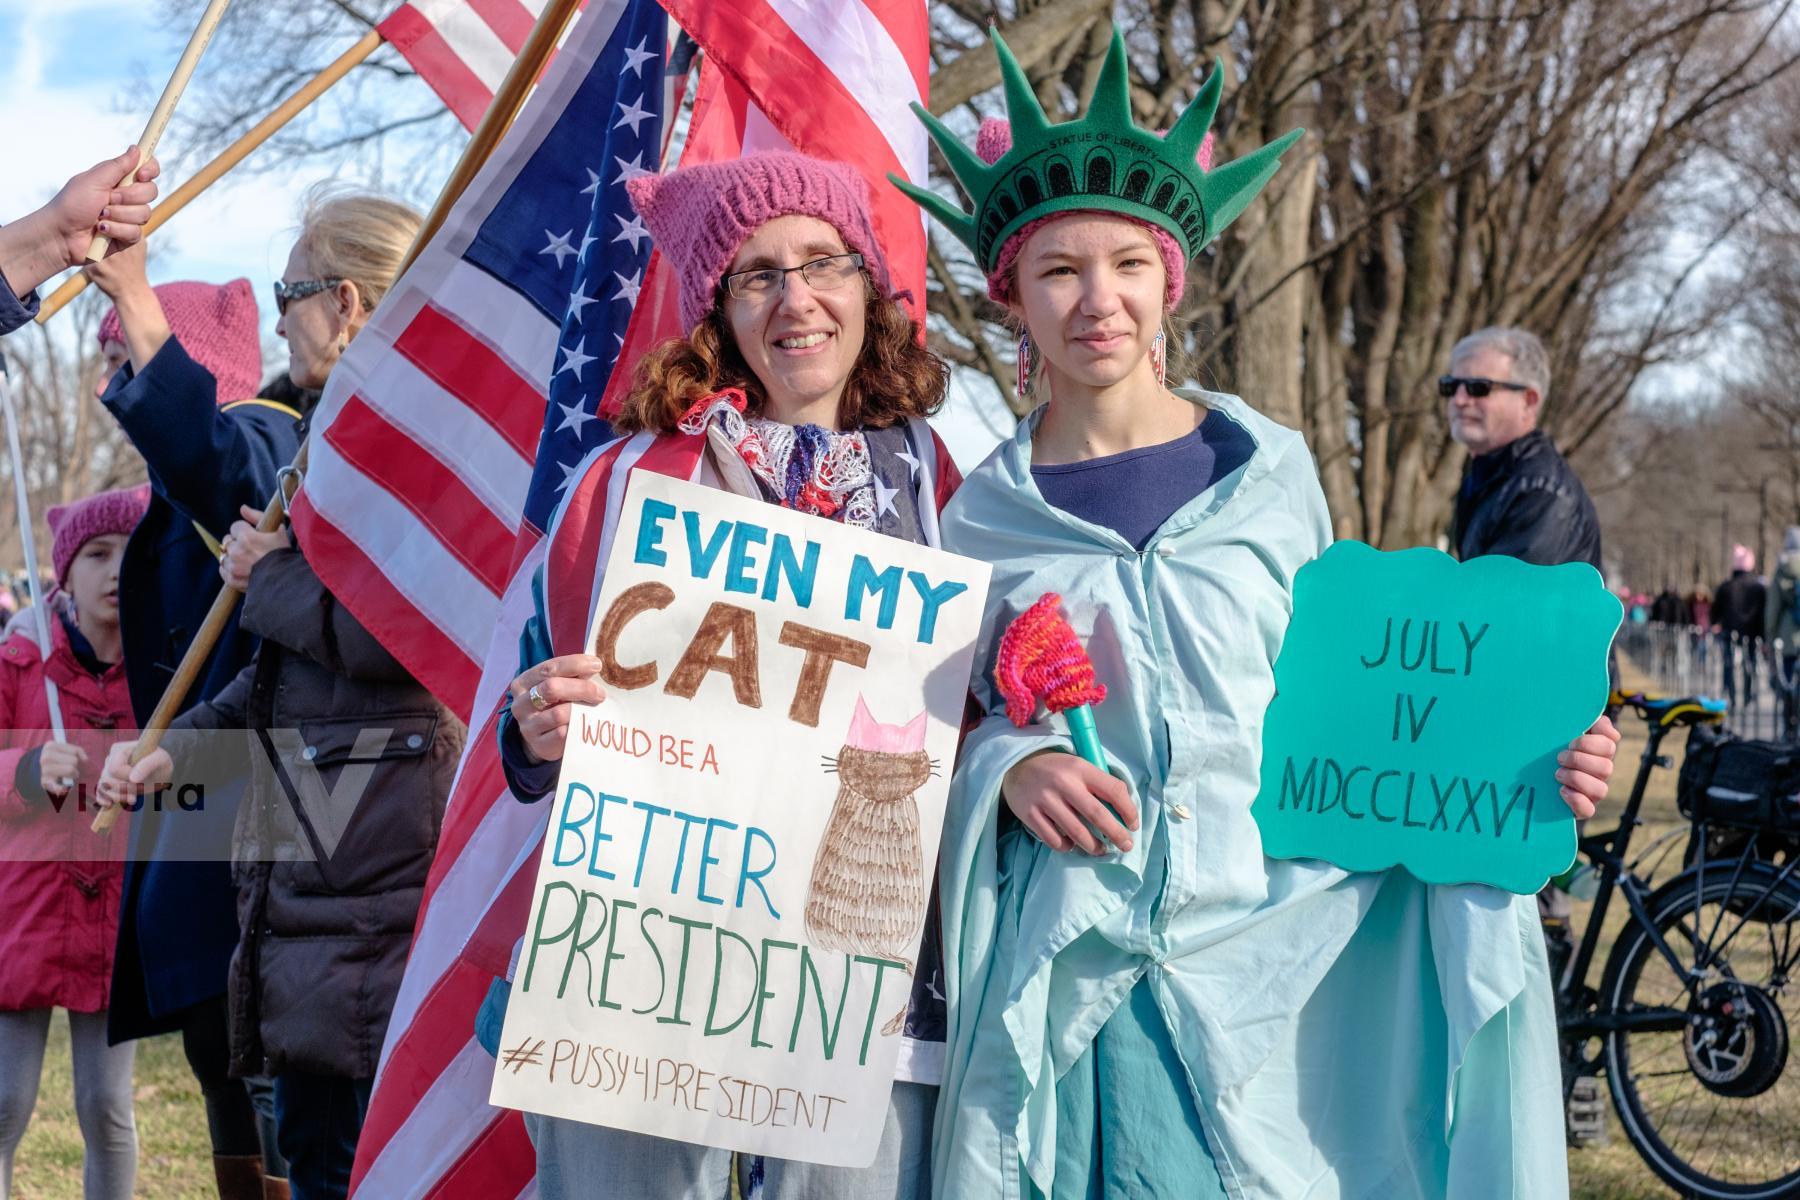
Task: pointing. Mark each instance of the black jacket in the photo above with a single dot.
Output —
(15, 310)
(176, 925)
(328, 885)
(1738, 605)
(1671, 608)
(1525, 501)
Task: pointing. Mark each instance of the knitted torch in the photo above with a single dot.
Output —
(1040, 658)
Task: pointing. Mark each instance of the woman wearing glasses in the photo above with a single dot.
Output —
(183, 360)
(801, 383)
(326, 923)
(349, 251)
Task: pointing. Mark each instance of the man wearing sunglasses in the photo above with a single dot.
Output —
(1519, 497)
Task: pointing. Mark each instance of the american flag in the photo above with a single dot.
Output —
(422, 463)
(422, 508)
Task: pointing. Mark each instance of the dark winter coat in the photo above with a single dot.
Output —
(1525, 501)
(1781, 600)
(15, 310)
(1738, 605)
(1671, 608)
(328, 883)
(59, 881)
(177, 924)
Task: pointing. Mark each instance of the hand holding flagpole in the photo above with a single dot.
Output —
(165, 107)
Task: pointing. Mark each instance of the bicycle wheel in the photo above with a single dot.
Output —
(1706, 1098)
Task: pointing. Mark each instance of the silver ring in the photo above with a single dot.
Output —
(537, 698)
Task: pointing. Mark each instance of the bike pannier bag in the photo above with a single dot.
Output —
(1734, 781)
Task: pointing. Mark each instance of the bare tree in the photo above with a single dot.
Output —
(70, 445)
(1570, 167)
(1466, 163)
(1678, 483)
(381, 116)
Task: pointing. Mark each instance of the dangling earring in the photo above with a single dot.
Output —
(1159, 358)
(1026, 366)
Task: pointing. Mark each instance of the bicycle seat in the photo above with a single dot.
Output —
(1669, 711)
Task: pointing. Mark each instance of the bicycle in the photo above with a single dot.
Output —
(1690, 1023)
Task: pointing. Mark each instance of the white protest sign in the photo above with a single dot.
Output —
(734, 880)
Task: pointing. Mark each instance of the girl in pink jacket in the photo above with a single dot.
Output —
(59, 882)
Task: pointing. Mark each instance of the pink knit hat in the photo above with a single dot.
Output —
(993, 139)
(73, 525)
(698, 216)
(1742, 558)
(217, 325)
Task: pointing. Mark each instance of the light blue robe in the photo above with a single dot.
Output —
(1345, 1035)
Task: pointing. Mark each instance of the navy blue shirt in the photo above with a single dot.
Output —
(1133, 493)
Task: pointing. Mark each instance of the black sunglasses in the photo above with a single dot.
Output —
(285, 293)
(1475, 386)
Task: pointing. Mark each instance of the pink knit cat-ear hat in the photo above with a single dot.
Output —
(699, 216)
(75, 524)
(218, 327)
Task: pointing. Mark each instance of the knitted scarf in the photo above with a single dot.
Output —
(803, 467)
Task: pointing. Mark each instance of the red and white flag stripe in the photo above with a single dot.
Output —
(462, 48)
(422, 468)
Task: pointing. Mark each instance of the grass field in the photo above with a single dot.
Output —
(174, 1160)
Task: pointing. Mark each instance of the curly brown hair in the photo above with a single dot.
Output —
(895, 377)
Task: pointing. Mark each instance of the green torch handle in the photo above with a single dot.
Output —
(1086, 734)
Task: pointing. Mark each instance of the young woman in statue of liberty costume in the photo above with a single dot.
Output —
(1171, 1013)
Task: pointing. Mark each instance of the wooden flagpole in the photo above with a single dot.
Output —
(165, 107)
(498, 119)
(208, 175)
(32, 581)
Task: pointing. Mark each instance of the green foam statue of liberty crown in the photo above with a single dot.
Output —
(1101, 161)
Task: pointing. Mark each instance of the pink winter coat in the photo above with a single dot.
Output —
(59, 882)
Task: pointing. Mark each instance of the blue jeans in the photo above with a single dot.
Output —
(317, 1119)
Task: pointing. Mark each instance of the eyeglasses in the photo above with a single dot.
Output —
(822, 274)
(1475, 386)
(286, 293)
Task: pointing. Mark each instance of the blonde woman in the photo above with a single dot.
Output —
(183, 363)
(326, 925)
(350, 248)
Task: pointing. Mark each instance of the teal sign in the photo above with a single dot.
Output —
(1420, 705)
